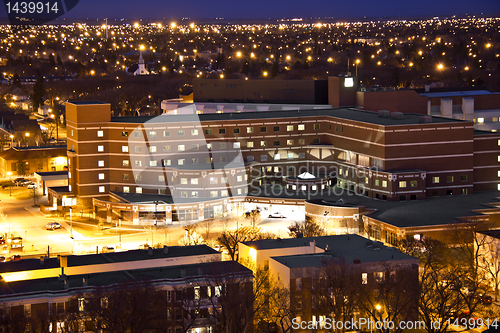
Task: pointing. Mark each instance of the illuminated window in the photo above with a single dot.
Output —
(184, 181)
(249, 129)
(161, 178)
(180, 161)
(435, 180)
(194, 132)
(214, 194)
(125, 163)
(277, 157)
(124, 149)
(100, 134)
(480, 120)
(264, 144)
(138, 190)
(100, 148)
(152, 134)
(153, 163)
(348, 82)
(301, 127)
(402, 183)
(152, 149)
(316, 126)
(166, 133)
(413, 183)
(194, 181)
(364, 278)
(250, 144)
(102, 189)
(101, 176)
(100, 163)
(289, 142)
(197, 292)
(181, 147)
(126, 189)
(239, 178)
(289, 128)
(384, 183)
(236, 145)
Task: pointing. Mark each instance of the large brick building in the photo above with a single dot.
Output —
(193, 167)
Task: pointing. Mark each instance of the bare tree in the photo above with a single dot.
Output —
(230, 239)
(308, 228)
(392, 297)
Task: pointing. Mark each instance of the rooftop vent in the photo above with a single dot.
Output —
(397, 115)
(150, 251)
(384, 113)
(424, 119)
(165, 250)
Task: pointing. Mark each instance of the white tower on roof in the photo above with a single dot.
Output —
(142, 68)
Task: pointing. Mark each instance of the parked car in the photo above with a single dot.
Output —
(144, 246)
(107, 249)
(32, 186)
(2, 259)
(16, 243)
(15, 257)
(53, 225)
(277, 215)
(19, 181)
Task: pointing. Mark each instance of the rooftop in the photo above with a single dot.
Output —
(343, 113)
(113, 257)
(461, 93)
(431, 211)
(340, 248)
(173, 275)
(86, 102)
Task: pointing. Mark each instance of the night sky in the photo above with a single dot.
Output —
(169, 9)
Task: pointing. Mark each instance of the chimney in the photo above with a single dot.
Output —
(165, 250)
(42, 261)
(150, 251)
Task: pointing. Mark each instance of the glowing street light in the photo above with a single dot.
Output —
(264, 73)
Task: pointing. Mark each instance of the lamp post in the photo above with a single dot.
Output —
(357, 63)
(11, 141)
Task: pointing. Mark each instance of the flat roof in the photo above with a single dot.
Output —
(86, 102)
(137, 255)
(171, 275)
(412, 213)
(461, 93)
(353, 114)
(345, 248)
(52, 173)
(106, 258)
(368, 254)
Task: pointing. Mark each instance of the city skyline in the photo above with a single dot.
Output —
(318, 9)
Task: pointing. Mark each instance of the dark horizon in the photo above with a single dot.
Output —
(275, 10)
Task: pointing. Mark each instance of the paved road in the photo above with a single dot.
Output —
(27, 222)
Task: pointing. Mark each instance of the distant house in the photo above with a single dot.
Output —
(34, 158)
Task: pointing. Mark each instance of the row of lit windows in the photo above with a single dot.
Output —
(184, 194)
(209, 131)
(482, 120)
(185, 181)
(222, 145)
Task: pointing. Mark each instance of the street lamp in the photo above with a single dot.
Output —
(357, 63)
